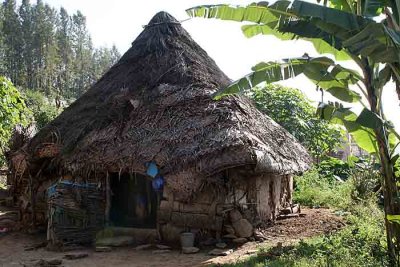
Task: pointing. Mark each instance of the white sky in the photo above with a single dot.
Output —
(120, 21)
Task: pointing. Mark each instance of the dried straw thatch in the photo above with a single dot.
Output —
(155, 105)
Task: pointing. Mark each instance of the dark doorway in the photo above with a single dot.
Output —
(134, 202)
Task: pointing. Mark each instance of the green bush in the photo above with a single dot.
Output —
(291, 109)
(13, 111)
(334, 167)
(42, 108)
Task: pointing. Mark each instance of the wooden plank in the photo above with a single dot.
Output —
(108, 200)
(276, 195)
(263, 197)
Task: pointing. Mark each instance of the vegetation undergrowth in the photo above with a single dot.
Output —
(361, 243)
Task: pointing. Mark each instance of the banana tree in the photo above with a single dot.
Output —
(346, 31)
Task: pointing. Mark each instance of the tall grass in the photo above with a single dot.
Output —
(315, 190)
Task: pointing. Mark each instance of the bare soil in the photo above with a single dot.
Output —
(288, 231)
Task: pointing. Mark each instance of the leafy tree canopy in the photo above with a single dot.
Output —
(293, 110)
(13, 111)
(43, 110)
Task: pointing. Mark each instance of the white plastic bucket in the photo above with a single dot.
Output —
(187, 240)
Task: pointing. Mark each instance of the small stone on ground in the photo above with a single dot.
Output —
(103, 249)
(163, 247)
(251, 251)
(161, 251)
(76, 256)
(190, 250)
(47, 263)
(143, 247)
(220, 252)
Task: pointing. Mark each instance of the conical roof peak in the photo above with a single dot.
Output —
(153, 38)
(162, 17)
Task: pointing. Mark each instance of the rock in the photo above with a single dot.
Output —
(116, 241)
(243, 228)
(190, 250)
(76, 256)
(221, 245)
(288, 216)
(240, 240)
(220, 252)
(54, 262)
(36, 246)
(161, 251)
(252, 239)
(103, 249)
(47, 263)
(163, 247)
(259, 236)
(235, 215)
(251, 251)
(143, 247)
(229, 229)
(230, 236)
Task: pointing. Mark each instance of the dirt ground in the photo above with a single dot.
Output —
(315, 222)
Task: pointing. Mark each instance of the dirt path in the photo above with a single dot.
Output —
(316, 221)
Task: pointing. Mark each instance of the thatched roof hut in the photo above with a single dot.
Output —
(155, 106)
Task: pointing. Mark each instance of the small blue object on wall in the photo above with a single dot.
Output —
(51, 190)
(152, 169)
(158, 183)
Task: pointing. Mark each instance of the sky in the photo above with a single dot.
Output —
(119, 22)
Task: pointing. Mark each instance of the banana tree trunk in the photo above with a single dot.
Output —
(390, 190)
(391, 202)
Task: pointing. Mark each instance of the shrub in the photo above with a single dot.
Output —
(43, 110)
(13, 111)
(312, 189)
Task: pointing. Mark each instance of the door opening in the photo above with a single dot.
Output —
(134, 202)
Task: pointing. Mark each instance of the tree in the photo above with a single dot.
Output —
(82, 45)
(290, 108)
(64, 45)
(42, 109)
(372, 45)
(48, 50)
(25, 16)
(11, 28)
(13, 111)
(2, 43)
(115, 54)
(44, 47)
(103, 59)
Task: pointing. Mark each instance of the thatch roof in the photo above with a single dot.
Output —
(155, 105)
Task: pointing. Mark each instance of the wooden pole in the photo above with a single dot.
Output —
(108, 200)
